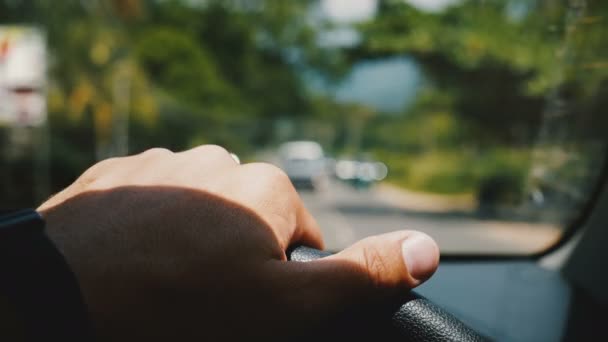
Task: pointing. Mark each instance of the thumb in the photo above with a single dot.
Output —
(397, 260)
(371, 271)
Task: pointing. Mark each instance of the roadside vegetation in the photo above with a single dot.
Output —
(230, 73)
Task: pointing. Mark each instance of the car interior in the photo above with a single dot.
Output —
(479, 122)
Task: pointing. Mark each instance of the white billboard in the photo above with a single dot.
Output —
(23, 63)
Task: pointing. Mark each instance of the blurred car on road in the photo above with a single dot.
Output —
(360, 174)
(304, 163)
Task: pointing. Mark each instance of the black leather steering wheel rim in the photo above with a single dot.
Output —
(417, 318)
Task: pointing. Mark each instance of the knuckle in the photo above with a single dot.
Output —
(215, 150)
(211, 153)
(271, 173)
(156, 152)
(95, 169)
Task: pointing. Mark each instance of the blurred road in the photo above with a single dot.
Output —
(347, 215)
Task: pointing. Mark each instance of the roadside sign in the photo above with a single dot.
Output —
(23, 63)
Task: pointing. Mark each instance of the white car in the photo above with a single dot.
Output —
(304, 163)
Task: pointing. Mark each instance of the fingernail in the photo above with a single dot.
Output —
(421, 256)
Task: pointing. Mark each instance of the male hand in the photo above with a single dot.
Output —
(191, 246)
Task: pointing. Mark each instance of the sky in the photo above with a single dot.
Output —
(389, 84)
(431, 5)
(349, 11)
(352, 11)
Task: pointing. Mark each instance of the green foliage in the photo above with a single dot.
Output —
(460, 171)
(497, 65)
(230, 72)
(472, 34)
(194, 79)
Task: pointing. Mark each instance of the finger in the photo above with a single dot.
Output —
(270, 194)
(307, 232)
(371, 271)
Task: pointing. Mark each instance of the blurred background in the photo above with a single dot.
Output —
(479, 122)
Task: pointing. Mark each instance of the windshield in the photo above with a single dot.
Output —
(477, 122)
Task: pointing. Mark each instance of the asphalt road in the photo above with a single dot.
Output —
(347, 215)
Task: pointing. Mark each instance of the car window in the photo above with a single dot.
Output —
(478, 122)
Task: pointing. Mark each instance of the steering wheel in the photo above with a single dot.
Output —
(416, 319)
